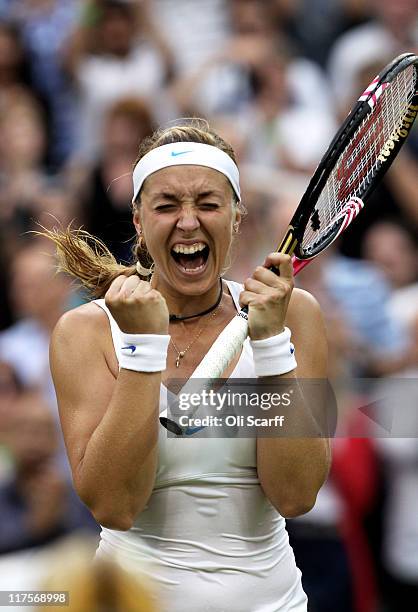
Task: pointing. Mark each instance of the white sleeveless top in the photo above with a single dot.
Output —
(209, 538)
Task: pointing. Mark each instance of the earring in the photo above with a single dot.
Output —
(236, 228)
(142, 271)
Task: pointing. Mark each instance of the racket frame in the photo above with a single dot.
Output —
(291, 243)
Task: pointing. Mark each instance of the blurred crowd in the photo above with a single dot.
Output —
(81, 83)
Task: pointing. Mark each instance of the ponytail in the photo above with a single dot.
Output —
(87, 258)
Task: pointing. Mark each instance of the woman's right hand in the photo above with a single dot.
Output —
(136, 307)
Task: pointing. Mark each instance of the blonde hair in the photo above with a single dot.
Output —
(96, 585)
(86, 257)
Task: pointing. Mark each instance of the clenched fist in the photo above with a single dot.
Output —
(136, 307)
(267, 296)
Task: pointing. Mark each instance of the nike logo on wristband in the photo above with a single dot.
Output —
(131, 348)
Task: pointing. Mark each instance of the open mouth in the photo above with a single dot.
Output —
(190, 257)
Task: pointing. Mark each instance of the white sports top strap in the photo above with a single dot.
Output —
(234, 289)
(114, 328)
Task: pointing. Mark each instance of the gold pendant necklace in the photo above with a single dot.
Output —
(181, 354)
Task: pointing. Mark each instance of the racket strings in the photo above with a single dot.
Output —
(359, 161)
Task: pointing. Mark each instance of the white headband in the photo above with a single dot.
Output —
(182, 154)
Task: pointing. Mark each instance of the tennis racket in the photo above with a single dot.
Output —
(356, 160)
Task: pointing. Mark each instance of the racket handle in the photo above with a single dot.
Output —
(224, 349)
(215, 362)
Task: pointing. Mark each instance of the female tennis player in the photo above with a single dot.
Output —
(203, 517)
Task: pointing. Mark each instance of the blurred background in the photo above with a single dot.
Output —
(81, 83)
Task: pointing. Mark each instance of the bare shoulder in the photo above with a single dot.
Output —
(303, 305)
(88, 318)
(83, 330)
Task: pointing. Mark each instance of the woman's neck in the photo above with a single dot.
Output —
(182, 306)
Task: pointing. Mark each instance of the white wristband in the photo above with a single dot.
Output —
(143, 352)
(274, 356)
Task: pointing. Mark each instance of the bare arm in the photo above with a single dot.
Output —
(292, 469)
(109, 418)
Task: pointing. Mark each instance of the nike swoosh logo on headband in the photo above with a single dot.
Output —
(176, 153)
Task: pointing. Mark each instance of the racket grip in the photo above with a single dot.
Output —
(224, 349)
(220, 354)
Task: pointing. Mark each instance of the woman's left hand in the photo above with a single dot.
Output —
(267, 296)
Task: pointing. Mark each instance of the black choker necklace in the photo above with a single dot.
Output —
(174, 317)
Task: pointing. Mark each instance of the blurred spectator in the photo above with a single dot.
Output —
(200, 26)
(392, 30)
(315, 24)
(107, 189)
(45, 26)
(266, 191)
(392, 248)
(14, 72)
(288, 93)
(397, 403)
(55, 204)
(37, 505)
(252, 245)
(22, 149)
(256, 78)
(400, 539)
(39, 298)
(363, 296)
(115, 52)
(10, 389)
(356, 476)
